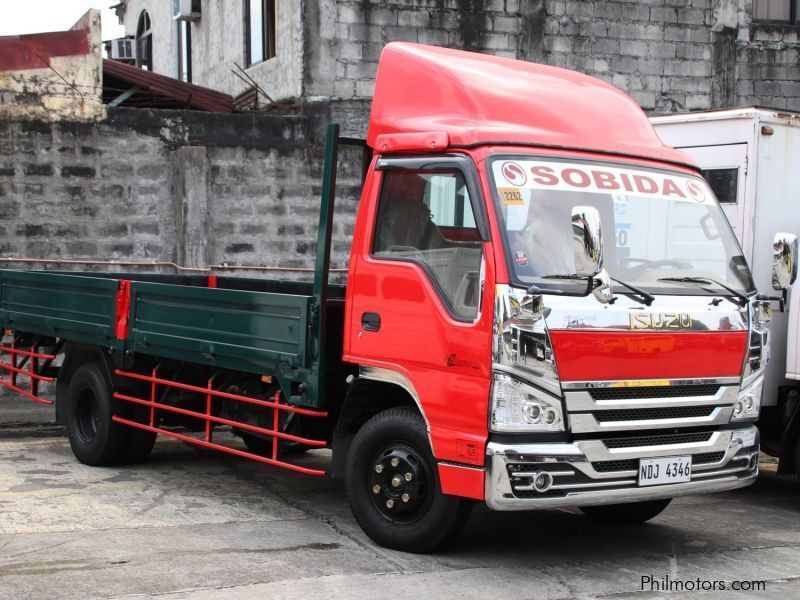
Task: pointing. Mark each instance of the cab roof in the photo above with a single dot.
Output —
(464, 99)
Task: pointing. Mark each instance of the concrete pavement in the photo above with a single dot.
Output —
(191, 523)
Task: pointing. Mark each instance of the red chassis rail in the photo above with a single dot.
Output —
(31, 356)
(207, 442)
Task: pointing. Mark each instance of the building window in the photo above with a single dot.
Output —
(185, 51)
(780, 11)
(260, 30)
(144, 43)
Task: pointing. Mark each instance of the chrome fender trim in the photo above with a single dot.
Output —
(393, 377)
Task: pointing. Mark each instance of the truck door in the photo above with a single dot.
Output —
(416, 298)
(725, 168)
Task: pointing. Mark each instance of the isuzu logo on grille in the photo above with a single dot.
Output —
(648, 320)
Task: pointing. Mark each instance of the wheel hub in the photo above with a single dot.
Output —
(399, 483)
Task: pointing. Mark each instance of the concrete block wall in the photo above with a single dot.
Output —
(193, 188)
(670, 55)
(354, 32)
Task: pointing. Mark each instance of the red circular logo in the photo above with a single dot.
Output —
(514, 173)
(696, 191)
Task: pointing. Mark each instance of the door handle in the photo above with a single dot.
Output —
(370, 321)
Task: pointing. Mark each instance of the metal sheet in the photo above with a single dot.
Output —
(251, 331)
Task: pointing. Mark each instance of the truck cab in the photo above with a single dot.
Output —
(558, 291)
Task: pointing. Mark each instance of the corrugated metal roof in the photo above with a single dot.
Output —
(161, 90)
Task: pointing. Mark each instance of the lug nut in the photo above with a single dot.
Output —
(390, 504)
(406, 497)
(395, 462)
(397, 481)
(376, 489)
(409, 476)
(379, 468)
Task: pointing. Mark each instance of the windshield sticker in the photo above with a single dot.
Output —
(510, 196)
(520, 258)
(600, 179)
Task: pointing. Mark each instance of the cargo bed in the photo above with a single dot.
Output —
(251, 325)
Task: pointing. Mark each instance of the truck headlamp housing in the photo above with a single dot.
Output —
(748, 402)
(518, 407)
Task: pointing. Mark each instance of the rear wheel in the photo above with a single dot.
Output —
(393, 485)
(94, 438)
(633, 512)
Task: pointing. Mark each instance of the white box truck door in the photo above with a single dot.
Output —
(725, 169)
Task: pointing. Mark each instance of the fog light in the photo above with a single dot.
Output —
(737, 409)
(753, 464)
(542, 481)
(748, 402)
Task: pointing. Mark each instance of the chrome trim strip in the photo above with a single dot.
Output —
(582, 401)
(586, 422)
(607, 383)
(570, 486)
(447, 463)
(721, 472)
(534, 473)
(395, 378)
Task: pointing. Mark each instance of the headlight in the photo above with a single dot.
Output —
(517, 406)
(748, 403)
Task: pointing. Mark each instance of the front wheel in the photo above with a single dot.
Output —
(633, 512)
(393, 485)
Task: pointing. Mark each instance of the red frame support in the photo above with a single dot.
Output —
(209, 393)
(33, 356)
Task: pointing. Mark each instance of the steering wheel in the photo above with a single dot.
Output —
(648, 264)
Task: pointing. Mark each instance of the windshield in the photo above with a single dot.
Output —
(658, 225)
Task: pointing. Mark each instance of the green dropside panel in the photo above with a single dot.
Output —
(258, 332)
(81, 309)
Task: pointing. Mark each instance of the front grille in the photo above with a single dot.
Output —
(756, 344)
(671, 391)
(644, 414)
(609, 466)
(658, 440)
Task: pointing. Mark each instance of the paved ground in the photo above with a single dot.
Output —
(194, 524)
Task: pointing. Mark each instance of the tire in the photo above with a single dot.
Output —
(633, 512)
(95, 439)
(413, 514)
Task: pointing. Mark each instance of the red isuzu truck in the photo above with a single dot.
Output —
(545, 307)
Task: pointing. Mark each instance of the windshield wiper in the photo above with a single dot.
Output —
(645, 296)
(743, 299)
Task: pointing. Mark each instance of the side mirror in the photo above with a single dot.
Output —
(587, 241)
(784, 260)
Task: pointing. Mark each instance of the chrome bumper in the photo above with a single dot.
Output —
(605, 471)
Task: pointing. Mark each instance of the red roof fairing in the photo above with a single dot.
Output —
(480, 99)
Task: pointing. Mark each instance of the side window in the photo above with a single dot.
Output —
(724, 183)
(426, 217)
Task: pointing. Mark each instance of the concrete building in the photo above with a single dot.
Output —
(53, 76)
(670, 55)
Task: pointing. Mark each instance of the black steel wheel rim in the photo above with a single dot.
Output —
(400, 482)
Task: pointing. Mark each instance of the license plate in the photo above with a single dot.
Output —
(671, 469)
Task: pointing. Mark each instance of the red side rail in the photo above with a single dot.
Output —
(12, 370)
(206, 441)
